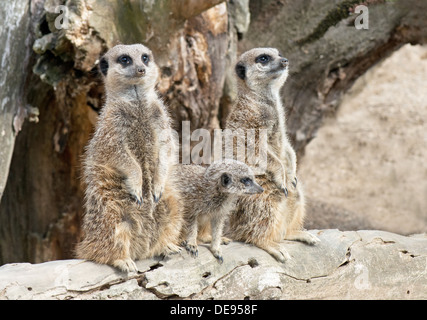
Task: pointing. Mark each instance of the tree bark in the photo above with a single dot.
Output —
(52, 71)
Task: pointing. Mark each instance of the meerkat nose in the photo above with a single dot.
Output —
(284, 61)
(140, 71)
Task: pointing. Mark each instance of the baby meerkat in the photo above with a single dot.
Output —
(278, 213)
(207, 195)
(126, 166)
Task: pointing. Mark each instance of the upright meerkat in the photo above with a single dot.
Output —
(207, 196)
(126, 167)
(278, 213)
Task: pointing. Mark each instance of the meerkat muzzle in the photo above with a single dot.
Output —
(284, 62)
(140, 71)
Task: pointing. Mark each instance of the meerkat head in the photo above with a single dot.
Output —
(262, 68)
(233, 177)
(125, 65)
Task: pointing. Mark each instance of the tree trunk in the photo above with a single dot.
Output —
(51, 70)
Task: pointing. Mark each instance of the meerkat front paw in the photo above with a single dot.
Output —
(291, 179)
(192, 249)
(295, 182)
(217, 253)
(157, 193)
(280, 183)
(126, 265)
(136, 192)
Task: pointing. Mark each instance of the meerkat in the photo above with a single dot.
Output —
(130, 209)
(207, 196)
(278, 213)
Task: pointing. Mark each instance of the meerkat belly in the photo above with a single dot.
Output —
(281, 129)
(203, 220)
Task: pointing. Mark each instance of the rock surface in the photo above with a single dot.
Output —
(375, 127)
(345, 265)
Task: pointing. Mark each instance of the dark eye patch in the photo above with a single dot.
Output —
(263, 59)
(145, 58)
(241, 71)
(103, 65)
(124, 60)
(246, 181)
(225, 180)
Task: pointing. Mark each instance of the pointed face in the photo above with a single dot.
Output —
(233, 177)
(261, 68)
(129, 64)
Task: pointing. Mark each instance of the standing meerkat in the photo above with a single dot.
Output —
(207, 196)
(130, 210)
(278, 213)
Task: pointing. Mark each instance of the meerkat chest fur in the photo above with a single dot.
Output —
(280, 134)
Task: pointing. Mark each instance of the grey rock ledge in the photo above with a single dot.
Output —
(345, 265)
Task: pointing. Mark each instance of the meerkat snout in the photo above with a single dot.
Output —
(140, 71)
(284, 62)
(251, 187)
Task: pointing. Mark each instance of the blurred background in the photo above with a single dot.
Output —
(355, 102)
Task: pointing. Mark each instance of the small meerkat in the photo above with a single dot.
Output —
(278, 213)
(207, 196)
(126, 166)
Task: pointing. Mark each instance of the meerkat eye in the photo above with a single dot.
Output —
(246, 181)
(145, 58)
(225, 180)
(124, 60)
(263, 59)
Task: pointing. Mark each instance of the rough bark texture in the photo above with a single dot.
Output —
(345, 265)
(14, 51)
(195, 44)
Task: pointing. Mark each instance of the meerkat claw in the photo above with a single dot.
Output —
(285, 191)
(192, 250)
(217, 254)
(157, 198)
(294, 183)
(219, 258)
(139, 200)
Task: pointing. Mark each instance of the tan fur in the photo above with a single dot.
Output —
(278, 213)
(126, 168)
(207, 196)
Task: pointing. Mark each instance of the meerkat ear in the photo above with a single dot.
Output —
(103, 66)
(241, 70)
(225, 180)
